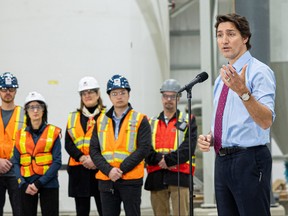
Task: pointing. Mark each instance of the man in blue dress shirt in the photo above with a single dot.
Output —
(241, 123)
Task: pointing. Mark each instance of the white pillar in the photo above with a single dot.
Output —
(206, 45)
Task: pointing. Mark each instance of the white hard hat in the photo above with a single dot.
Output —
(34, 96)
(88, 83)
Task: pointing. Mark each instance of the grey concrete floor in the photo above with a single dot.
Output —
(144, 212)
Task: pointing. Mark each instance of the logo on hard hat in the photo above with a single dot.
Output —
(8, 81)
(117, 82)
(85, 83)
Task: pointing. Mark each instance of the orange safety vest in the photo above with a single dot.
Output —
(164, 140)
(7, 135)
(115, 151)
(80, 139)
(36, 159)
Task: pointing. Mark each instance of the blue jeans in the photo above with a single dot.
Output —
(9, 183)
(243, 182)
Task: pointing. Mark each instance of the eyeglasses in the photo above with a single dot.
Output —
(169, 97)
(87, 92)
(115, 94)
(35, 107)
(8, 89)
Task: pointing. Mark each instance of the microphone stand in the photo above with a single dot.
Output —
(191, 195)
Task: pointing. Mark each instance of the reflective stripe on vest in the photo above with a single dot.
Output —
(115, 151)
(181, 134)
(7, 135)
(36, 159)
(76, 132)
(185, 167)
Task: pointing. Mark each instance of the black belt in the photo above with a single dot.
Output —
(230, 150)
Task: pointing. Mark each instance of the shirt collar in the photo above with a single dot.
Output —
(244, 59)
(123, 114)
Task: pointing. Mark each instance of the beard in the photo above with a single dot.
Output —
(7, 99)
(170, 107)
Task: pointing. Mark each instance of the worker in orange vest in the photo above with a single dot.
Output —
(119, 144)
(170, 154)
(12, 118)
(37, 159)
(81, 169)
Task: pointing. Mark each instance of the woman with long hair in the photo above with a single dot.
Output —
(81, 169)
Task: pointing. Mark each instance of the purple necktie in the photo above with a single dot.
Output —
(218, 119)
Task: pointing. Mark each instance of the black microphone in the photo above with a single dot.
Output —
(198, 79)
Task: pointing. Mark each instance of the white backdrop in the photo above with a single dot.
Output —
(50, 45)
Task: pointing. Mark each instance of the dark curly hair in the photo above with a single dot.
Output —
(240, 23)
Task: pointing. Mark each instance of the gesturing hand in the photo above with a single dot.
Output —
(233, 80)
(204, 142)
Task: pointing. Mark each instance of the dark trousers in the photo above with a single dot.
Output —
(83, 205)
(130, 195)
(49, 202)
(243, 182)
(9, 183)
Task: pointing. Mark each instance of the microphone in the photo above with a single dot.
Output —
(198, 79)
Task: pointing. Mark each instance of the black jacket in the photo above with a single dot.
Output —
(143, 146)
(82, 181)
(160, 179)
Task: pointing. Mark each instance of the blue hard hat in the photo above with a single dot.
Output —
(117, 82)
(8, 80)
